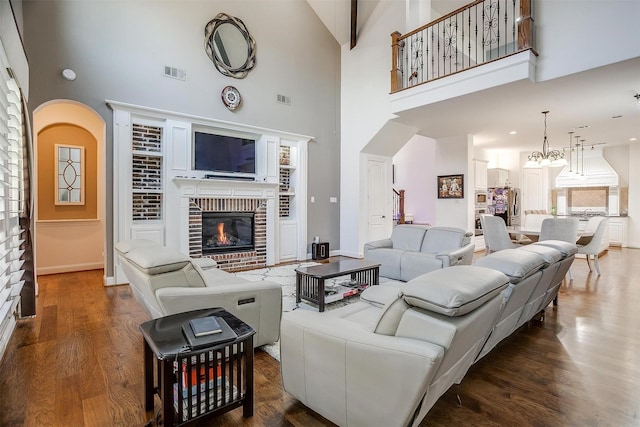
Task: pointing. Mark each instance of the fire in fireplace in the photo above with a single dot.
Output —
(227, 232)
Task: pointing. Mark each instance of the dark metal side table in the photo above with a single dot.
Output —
(194, 384)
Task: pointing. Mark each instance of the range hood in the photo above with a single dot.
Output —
(594, 170)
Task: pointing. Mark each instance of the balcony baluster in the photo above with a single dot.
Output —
(475, 34)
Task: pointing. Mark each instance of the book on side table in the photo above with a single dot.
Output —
(209, 333)
(205, 326)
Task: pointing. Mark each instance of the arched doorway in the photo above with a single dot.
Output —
(70, 231)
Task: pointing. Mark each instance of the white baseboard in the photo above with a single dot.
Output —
(346, 253)
(110, 281)
(337, 253)
(69, 268)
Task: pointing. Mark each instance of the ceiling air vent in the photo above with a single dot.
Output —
(283, 99)
(175, 73)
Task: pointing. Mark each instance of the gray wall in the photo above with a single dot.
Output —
(119, 49)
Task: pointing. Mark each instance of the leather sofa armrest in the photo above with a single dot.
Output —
(180, 299)
(204, 263)
(460, 256)
(258, 304)
(382, 243)
(377, 244)
(346, 373)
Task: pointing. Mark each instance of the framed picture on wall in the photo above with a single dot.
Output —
(451, 186)
(69, 180)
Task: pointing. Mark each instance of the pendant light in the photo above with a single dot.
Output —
(546, 157)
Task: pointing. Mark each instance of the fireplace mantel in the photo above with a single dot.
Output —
(225, 188)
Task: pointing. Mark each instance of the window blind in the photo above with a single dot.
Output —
(11, 182)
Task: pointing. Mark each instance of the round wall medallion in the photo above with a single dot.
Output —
(231, 97)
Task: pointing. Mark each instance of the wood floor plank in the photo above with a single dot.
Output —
(578, 367)
(68, 402)
(95, 411)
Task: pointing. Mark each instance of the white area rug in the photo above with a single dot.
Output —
(285, 275)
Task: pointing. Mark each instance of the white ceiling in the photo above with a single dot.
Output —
(589, 98)
(336, 16)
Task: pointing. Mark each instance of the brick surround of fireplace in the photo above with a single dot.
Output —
(189, 198)
(230, 261)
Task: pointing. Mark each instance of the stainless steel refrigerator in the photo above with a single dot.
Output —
(504, 202)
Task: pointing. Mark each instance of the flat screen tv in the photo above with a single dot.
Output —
(221, 153)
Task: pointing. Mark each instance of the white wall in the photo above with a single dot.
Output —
(607, 34)
(10, 38)
(365, 110)
(414, 165)
(634, 198)
(454, 155)
(119, 49)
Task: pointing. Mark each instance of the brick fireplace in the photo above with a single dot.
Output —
(192, 197)
(230, 259)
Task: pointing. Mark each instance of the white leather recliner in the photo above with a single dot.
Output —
(165, 281)
(412, 250)
(365, 365)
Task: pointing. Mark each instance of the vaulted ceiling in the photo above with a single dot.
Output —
(598, 104)
(336, 15)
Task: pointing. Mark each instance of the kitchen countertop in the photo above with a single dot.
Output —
(582, 217)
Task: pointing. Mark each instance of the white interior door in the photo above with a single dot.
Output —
(379, 195)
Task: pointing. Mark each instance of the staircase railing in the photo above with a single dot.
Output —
(398, 206)
(475, 34)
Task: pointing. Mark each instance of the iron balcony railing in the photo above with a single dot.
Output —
(475, 34)
(398, 206)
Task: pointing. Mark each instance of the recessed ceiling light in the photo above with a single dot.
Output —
(69, 74)
(633, 139)
(513, 132)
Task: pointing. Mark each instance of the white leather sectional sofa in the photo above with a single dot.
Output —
(386, 359)
(413, 250)
(165, 281)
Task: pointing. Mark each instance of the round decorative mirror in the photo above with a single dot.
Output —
(230, 46)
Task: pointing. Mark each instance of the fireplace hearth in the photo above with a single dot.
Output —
(227, 232)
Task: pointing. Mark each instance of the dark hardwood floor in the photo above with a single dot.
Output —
(79, 362)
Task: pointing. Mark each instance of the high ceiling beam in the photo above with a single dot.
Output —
(354, 22)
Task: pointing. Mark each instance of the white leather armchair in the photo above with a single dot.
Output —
(165, 281)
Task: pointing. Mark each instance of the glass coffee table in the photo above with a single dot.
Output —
(310, 281)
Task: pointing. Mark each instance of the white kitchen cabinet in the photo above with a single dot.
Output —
(618, 231)
(480, 170)
(497, 177)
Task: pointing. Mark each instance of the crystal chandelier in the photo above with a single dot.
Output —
(546, 157)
